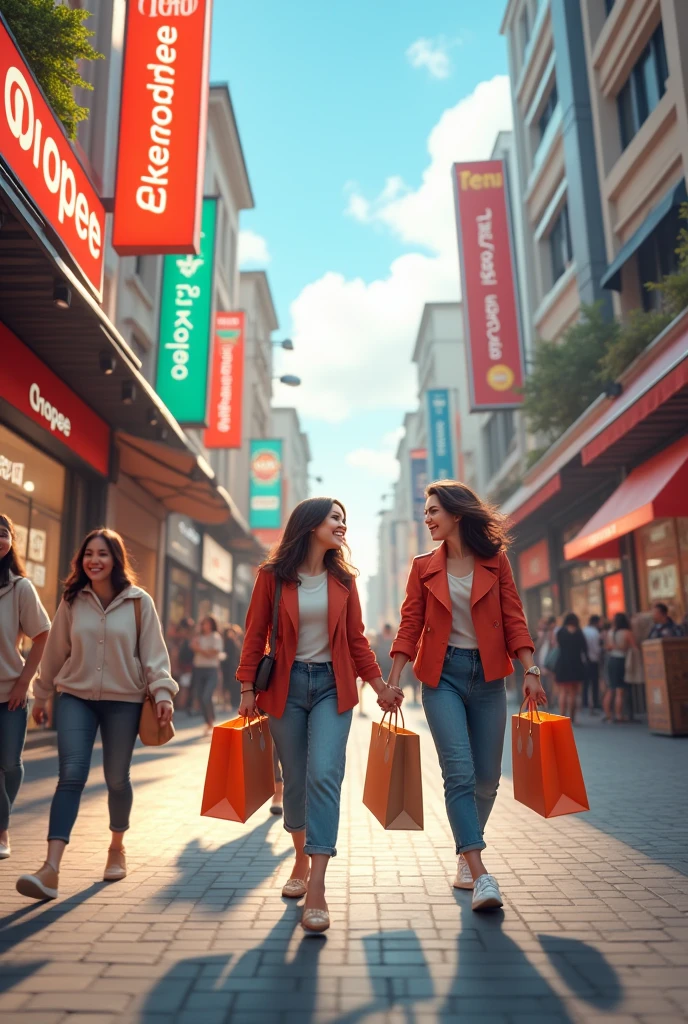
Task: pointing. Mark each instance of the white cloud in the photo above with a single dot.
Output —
(380, 463)
(432, 54)
(252, 249)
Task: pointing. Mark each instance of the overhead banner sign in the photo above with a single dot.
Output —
(493, 340)
(440, 447)
(185, 311)
(162, 127)
(227, 382)
(419, 481)
(35, 148)
(265, 485)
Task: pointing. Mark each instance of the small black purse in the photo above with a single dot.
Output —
(267, 662)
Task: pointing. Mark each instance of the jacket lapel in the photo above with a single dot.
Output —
(290, 599)
(337, 596)
(485, 572)
(435, 576)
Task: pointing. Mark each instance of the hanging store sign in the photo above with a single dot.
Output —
(185, 310)
(29, 386)
(493, 340)
(265, 485)
(227, 382)
(162, 128)
(217, 565)
(533, 565)
(35, 148)
(439, 435)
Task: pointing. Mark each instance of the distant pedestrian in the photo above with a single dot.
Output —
(620, 640)
(185, 655)
(572, 664)
(21, 615)
(208, 646)
(100, 664)
(233, 637)
(462, 622)
(545, 644)
(591, 683)
(664, 625)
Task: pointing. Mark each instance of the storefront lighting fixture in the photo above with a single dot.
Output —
(287, 344)
(653, 563)
(128, 392)
(29, 486)
(153, 416)
(163, 433)
(290, 380)
(613, 389)
(107, 363)
(62, 294)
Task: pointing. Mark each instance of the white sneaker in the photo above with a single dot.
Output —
(5, 851)
(486, 894)
(464, 878)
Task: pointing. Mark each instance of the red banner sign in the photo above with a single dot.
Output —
(162, 127)
(533, 565)
(614, 595)
(34, 146)
(227, 382)
(29, 386)
(493, 344)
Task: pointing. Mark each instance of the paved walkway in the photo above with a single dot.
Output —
(594, 927)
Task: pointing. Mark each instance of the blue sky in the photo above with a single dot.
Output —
(348, 147)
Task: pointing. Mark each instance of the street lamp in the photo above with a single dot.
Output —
(290, 380)
(287, 344)
(318, 479)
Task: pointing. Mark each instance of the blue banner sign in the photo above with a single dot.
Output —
(440, 448)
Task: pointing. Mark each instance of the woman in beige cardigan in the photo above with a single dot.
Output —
(101, 670)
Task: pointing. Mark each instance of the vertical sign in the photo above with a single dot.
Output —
(441, 460)
(419, 481)
(227, 382)
(265, 485)
(493, 342)
(162, 127)
(183, 347)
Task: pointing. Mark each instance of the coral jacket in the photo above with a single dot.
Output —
(351, 653)
(426, 616)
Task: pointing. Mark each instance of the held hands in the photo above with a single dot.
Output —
(17, 697)
(247, 706)
(39, 711)
(165, 710)
(389, 696)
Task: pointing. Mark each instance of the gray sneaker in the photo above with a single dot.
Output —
(464, 878)
(486, 894)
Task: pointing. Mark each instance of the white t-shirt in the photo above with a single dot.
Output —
(211, 645)
(592, 639)
(314, 639)
(462, 631)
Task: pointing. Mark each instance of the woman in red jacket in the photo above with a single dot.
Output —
(321, 648)
(462, 621)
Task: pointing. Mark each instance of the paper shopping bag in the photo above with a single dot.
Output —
(393, 788)
(240, 777)
(546, 771)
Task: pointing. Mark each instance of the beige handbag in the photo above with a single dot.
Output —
(151, 733)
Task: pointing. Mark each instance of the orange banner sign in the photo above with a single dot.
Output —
(227, 382)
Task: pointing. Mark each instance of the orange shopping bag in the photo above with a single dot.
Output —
(240, 776)
(393, 788)
(546, 770)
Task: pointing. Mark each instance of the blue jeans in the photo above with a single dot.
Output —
(203, 685)
(12, 736)
(467, 718)
(77, 724)
(310, 738)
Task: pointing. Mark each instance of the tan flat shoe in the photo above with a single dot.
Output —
(315, 920)
(41, 886)
(116, 867)
(295, 888)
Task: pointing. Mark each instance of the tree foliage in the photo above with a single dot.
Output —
(53, 38)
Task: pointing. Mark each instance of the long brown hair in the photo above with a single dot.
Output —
(482, 526)
(123, 575)
(292, 550)
(12, 561)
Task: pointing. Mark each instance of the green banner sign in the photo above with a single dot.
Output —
(185, 315)
(265, 489)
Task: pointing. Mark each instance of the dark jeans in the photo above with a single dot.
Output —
(77, 725)
(591, 685)
(12, 736)
(203, 686)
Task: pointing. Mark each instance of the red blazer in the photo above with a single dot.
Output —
(351, 653)
(426, 616)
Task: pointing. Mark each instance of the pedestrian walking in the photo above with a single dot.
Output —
(21, 615)
(185, 655)
(320, 648)
(545, 645)
(462, 621)
(105, 651)
(620, 640)
(662, 623)
(572, 664)
(208, 647)
(233, 638)
(591, 683)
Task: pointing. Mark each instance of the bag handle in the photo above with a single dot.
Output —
(532, 706)
(137, 616)
(394, 711)
(247, 723)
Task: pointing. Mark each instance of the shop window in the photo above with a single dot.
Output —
(498, 436)
(548, 110)
(560, 248)
(644, 89)
(662, 559)
(657, 257)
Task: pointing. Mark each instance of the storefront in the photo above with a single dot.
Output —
(537, 588)
(183, 570)
(214, 590)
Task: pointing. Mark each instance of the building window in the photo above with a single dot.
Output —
(525, 28)
(644, 89)
(608, 4)
(561, 251)
(498, 436)
(657, 257)
(548, 110)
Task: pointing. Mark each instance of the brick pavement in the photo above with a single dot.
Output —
(594, 927)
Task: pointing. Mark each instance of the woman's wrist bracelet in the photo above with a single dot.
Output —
(249, 690)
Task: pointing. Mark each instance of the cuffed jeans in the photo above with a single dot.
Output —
(310, 738)
(12, 736)
(467, 718)
(77, 725)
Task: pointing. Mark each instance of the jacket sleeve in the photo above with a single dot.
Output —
(155, 659)
(412, 615)
(515, 625)
(359, 647)
(258, 622)
(57, 649)
(33, 618)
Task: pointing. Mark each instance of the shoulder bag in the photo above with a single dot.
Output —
(267, 662)
(151, 733)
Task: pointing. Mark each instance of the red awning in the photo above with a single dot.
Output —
(538, 496)
(654, 490)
